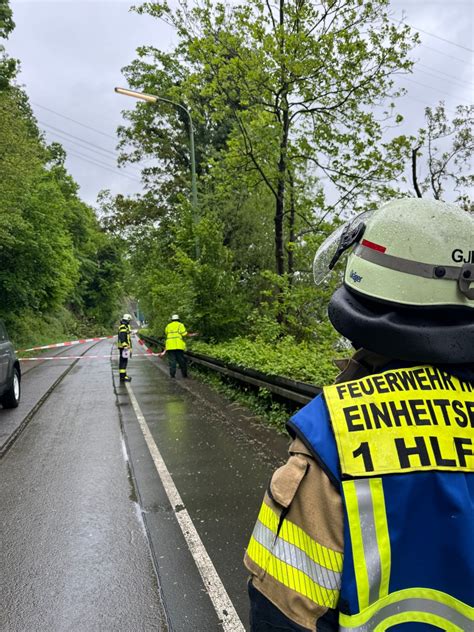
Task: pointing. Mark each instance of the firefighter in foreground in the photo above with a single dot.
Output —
(369, 526)
(124, 344)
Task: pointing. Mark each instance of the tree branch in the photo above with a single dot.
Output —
(413, 171)
(250, 153)
(269, 7)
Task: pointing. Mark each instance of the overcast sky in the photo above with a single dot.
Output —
(72, 52)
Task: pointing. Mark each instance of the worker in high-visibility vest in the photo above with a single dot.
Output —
(369, 526)
(124, 344)
(175, 346)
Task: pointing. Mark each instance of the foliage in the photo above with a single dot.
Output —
(38, 270)
(98, 290)
(300, 81)
(303, 361)
(6, 19)
(202, 293)
(8, 66)
(53, 251)
(60, 272)
(293, 114)
(34, 328)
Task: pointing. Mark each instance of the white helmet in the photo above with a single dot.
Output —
(126, 317)
(175, 317)
(407, 289)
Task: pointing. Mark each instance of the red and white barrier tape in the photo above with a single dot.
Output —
(148, 351)
(87, 357)
(69, 343)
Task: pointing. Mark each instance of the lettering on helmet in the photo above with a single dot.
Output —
(459, 256)
(355, 277)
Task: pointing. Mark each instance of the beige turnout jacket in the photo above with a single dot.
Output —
(301, 495)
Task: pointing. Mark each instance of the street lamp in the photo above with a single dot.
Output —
(152, 98)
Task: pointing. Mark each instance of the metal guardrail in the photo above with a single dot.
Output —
(299, 392)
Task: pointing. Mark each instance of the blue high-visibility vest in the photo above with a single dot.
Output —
(399, 446)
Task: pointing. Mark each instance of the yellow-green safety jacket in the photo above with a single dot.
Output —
(175, 332)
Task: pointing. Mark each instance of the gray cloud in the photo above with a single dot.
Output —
(71, 55)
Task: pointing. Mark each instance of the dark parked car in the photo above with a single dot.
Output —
(10, 373)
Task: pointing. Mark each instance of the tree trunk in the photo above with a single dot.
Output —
(280, 205)
(291, 227)
(279, 213)
(283, 160)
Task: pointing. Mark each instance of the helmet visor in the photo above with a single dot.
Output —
(336, 245)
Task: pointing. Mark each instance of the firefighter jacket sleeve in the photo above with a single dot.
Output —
(295, 554)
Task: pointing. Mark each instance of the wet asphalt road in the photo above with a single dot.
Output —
(38, 379)
(89, 540)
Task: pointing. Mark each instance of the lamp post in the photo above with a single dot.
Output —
(153, 98)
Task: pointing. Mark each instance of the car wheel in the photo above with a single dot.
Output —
(11, 399)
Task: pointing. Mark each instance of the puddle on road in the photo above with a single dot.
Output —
(139, 514)
(124, 449)
(132, 491)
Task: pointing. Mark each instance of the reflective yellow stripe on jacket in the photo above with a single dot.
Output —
(175, 332)
(420, 605)
(379, 609)
(370, 544)
(296, 560)
(127, 330)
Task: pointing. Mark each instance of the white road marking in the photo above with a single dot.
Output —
(220, 599)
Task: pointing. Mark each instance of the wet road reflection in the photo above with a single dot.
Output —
(219, 463)
(74, 552)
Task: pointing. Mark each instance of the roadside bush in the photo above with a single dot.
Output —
(304, 361)
(33, 328)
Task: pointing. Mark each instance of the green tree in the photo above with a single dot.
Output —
(293, 106)
(6, 19)
(302, 81)
(98, 292)
(8, 66)
(38, 269)
(53, 252)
